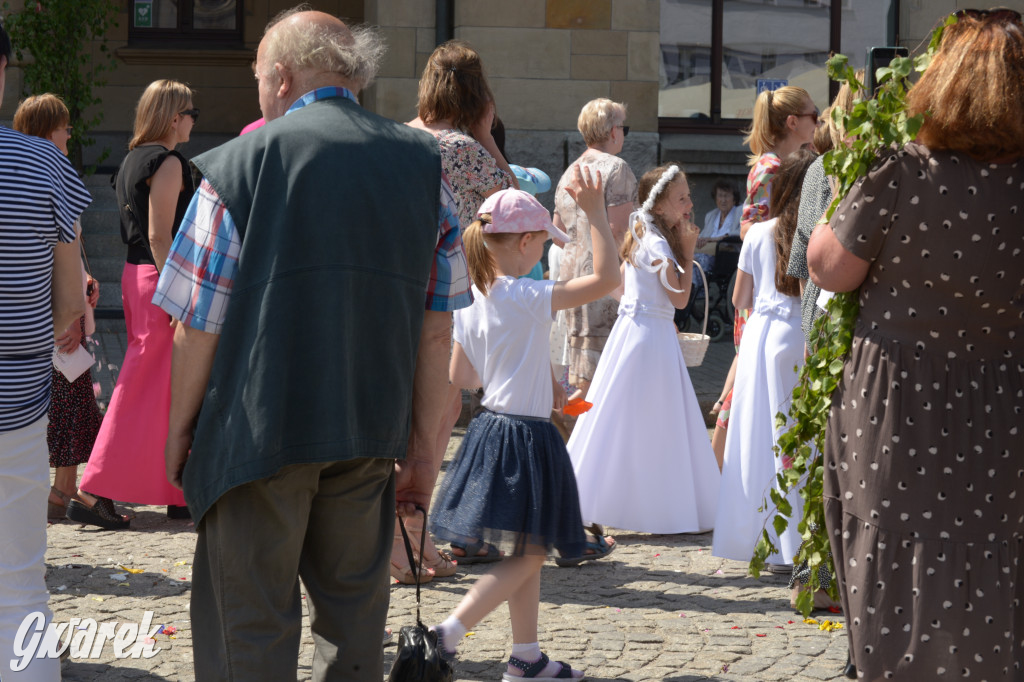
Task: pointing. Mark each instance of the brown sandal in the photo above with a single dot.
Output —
(56, 512)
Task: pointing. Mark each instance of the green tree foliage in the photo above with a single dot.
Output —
(51, 40)
(876, 126)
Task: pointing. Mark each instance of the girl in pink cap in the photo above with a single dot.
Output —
(512, 484)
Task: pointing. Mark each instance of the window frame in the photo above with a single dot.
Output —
(716, 124)
(185, 34)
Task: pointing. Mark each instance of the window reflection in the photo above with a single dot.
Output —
(685, 59)
(788, 41)
(214, 14)
(785, 40)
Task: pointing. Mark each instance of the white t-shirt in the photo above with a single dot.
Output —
(505, 336)
(757, 258)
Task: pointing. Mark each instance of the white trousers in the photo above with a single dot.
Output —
(24, 487)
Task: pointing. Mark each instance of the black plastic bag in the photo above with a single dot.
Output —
(418, 659)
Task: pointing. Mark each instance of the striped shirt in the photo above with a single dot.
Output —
(41, 197)
(195, 284)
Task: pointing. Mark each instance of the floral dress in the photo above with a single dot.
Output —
(471, 171)
(589, 325)
(74, 417)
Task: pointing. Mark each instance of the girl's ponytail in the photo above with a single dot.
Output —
(768, 125)
(759, 137)
(481, 263)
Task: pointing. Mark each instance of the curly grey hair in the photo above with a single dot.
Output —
(354, 53)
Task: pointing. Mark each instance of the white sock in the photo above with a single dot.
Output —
(453, 631)
(527, 652)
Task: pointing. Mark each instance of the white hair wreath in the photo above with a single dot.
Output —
(644, 216)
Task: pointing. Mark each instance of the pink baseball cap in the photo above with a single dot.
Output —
(513, 210)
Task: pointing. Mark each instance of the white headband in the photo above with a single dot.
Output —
(665, 178)
(644, 216)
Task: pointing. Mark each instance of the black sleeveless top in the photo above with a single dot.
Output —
(129, 182)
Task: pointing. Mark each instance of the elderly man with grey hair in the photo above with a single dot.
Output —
(299, 276)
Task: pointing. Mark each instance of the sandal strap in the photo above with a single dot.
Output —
(533, 669)
(530, 669)
(59, 493)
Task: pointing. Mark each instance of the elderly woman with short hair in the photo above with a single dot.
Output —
(601, 123)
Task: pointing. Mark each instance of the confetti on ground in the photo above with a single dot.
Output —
(61, 588)
(133, 571)
(735, 627)
(829, 626)
(725, 667)
(811, 621)
(97, 598)
(682, 615)
(167, 630)
(118, 576)
(780, 627)
(181, 563)
(657, 555)
(789, 622)
(719, 572)
(835, 609)
(761, 635)
(123, 585)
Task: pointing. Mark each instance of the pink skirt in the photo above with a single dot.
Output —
(127, 462)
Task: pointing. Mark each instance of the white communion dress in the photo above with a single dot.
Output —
(772, 347)
(641, 455)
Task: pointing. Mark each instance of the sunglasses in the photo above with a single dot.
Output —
(194, 113)
(816, 114)
(625, 130)
(999, 14)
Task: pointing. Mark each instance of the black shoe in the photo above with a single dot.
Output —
(101, 514)
(175, 511)
(850, 670)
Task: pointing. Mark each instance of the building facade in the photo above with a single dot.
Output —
(688, 70)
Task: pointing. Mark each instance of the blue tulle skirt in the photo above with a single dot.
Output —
(511, 485)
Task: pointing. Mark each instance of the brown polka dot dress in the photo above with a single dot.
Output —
(924, 475)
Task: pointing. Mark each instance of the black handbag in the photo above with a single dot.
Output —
(418, 659)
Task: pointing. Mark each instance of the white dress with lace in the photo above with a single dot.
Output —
(641, 455)
(772, 347)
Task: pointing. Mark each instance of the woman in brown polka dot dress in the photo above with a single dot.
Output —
(924, 475)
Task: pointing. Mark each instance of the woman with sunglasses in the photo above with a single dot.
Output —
(154, 187)
(922, 464)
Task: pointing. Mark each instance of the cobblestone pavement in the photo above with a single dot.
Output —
(659, 608)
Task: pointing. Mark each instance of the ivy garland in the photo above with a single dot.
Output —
(61, 46)
(876, 125)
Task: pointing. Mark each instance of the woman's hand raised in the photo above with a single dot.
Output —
(587, 190)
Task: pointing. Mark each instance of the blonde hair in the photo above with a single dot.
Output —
(644, 187)
(598, 117)
(40, 115)
(972, 93)
(353, 52)
(482, 268)
(771, 110)
(160, 103)
(453, 87)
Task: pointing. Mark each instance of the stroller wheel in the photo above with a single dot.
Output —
(716, 326)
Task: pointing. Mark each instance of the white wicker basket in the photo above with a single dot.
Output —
(694, 345)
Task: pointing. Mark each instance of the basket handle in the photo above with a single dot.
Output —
(707, 295)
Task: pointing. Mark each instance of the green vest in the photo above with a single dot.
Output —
(337, 209)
